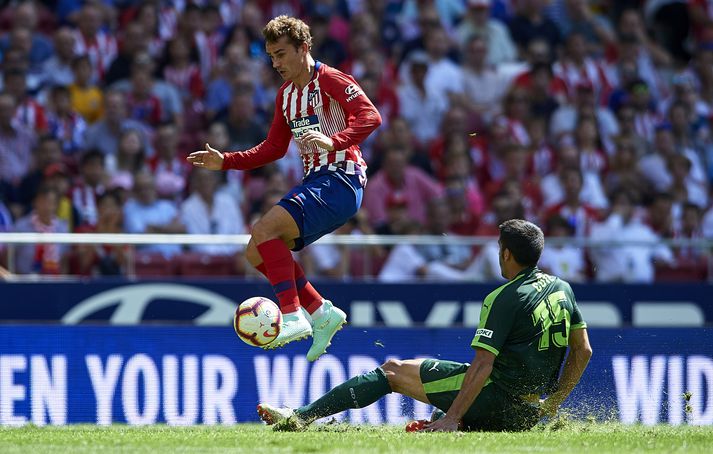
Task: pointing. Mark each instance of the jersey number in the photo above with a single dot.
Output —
(555, 320)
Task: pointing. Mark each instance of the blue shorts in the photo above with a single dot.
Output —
(322, 203)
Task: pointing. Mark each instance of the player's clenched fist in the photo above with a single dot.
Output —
(210, 158)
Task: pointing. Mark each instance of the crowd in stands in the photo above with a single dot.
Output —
(591, 118)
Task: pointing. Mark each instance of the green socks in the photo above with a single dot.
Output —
(357, 392)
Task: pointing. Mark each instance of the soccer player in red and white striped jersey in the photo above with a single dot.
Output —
(328, 115)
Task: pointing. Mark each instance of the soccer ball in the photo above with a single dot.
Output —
(257, 321)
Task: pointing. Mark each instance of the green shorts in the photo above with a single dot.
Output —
(494, 409)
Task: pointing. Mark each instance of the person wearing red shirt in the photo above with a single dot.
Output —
(328, 115)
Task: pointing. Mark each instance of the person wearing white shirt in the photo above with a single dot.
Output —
(208, 211)
(477, 21)
(563, 260)
(637, 247)
(420, 106)
(147, 214)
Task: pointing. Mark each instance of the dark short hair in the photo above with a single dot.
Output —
(523, 239)
(91, 155)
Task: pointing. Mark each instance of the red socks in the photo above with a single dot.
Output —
(279, 267)
(309, 297)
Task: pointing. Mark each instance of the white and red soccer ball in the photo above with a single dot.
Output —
(257, 321)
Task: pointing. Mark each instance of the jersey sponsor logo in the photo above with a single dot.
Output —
(353, 91)
(300, 126)
(484, 333)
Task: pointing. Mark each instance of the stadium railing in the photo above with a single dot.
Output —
(9, 241)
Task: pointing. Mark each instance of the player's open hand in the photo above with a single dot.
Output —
(210, 158)
(444, 424)
(317, 138)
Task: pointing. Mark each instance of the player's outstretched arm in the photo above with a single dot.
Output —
(210, 158)
(577, 359)
(473, 382)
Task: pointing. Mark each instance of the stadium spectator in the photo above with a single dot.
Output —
(86, 96)
(420, 105)
(654, 165)
(552, 188)
(48, 259)
(623, 172)
(209, 211)
(89, 187)
(577, 15)
(690, 229)
(142, 104)
(578, 214)
(26, 36)
(407, 262)
(65, 124)
(564, 119)
(57, 70)
(634, 249)
(330, 50)
(626, 117)
(397, 220)
(514, 159)
(130, 158)
(499, 47)
(102, 259)
(685, 187)
(169, 100)
(104, 134)
(529, 23)
(15, 143)
(660, 215)
(244, 130)
(46, 153)
(484, 85)
(344, 262)
(566, 261)
(29, 113)
(397, 175)
(94, 42)
(145, 213)
(168, 165)
(181, 70)
(132, 43)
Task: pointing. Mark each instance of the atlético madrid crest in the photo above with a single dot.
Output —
(314, 98)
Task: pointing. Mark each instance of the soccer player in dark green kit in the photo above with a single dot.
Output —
(527, 328)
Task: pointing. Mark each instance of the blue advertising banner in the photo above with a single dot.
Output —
(212, 302)
(205, 375)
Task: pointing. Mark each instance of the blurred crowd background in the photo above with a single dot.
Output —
(591, 118)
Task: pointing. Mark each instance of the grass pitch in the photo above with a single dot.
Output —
(559, 437)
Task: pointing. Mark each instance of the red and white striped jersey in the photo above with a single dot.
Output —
(331, 103)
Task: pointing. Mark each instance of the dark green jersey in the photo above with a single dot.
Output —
(526, 324)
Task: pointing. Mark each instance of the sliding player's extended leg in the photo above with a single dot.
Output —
(363, 390)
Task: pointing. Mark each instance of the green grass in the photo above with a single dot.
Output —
(559, 437)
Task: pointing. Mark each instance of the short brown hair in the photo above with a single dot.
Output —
(295, 30)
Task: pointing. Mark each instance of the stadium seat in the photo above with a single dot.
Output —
(153, 264)
(683, 271)
(199, 264)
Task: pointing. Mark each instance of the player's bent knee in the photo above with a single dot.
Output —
(391, 367)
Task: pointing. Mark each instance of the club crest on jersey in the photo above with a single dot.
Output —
(300, 126)
(314, 98)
